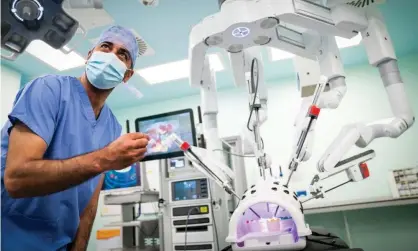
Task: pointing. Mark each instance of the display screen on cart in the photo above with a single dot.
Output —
(189, 190)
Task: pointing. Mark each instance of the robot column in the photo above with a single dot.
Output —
(209, 102)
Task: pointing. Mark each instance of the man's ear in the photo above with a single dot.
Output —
(88, 56)
(128, 75)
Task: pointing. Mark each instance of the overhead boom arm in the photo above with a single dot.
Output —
(381, 54)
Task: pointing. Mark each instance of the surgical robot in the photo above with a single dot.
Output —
(269, 215)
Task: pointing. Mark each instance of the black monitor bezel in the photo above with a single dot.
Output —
(156, 116)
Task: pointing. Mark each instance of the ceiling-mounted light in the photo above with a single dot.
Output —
(53, 57)
(175, 70)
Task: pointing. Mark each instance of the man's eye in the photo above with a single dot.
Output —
(124, 56)
(105, 46)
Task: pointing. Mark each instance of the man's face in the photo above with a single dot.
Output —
(120, 52)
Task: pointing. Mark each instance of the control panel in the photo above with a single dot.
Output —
(184, 211)
(195, 221)
(193, 247)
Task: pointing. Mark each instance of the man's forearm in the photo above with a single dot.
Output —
(42, 177)
(86, 222)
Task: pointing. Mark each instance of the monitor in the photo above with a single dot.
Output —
(177, 163)
(158, 127)
(189, 190)
(127, 177)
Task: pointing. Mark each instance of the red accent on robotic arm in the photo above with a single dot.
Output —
(185, 146)
(314, 111)
(364, 170)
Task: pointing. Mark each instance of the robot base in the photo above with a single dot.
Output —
(320, 240)
(274, 233)
(269, 217)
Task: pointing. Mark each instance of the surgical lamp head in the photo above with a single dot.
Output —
(23, 21)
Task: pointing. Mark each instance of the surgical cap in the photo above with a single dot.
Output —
(122, 36)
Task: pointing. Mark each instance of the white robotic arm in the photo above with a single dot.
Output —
(380, 52)
(354, 167)
(329, 69)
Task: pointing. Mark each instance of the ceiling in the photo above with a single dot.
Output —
(166, 29)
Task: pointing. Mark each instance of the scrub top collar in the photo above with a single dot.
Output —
(87, 107)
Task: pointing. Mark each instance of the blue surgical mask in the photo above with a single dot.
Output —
(105, 70)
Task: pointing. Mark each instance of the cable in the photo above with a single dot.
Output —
(238, 155)
(187, 222)
(156, 224)
(255, 92)
(152, 232)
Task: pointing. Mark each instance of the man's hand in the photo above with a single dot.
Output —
(126, 150)
(28, 174)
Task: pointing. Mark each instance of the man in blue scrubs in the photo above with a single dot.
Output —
(60, 139)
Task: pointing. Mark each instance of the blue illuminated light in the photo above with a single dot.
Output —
(14, 10)
(241, 32)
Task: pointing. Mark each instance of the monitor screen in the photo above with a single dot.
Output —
(128, 177)
(177, 163)
(158, 127)
(189, 190)
(185, 190)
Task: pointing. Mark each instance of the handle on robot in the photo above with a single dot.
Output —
(356, 170)
(313, 113)
(346, 164)
(297, 156)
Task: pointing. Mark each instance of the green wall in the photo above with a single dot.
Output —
(376, 229)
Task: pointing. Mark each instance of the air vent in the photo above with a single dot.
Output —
(144, 48)
(364, 3)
